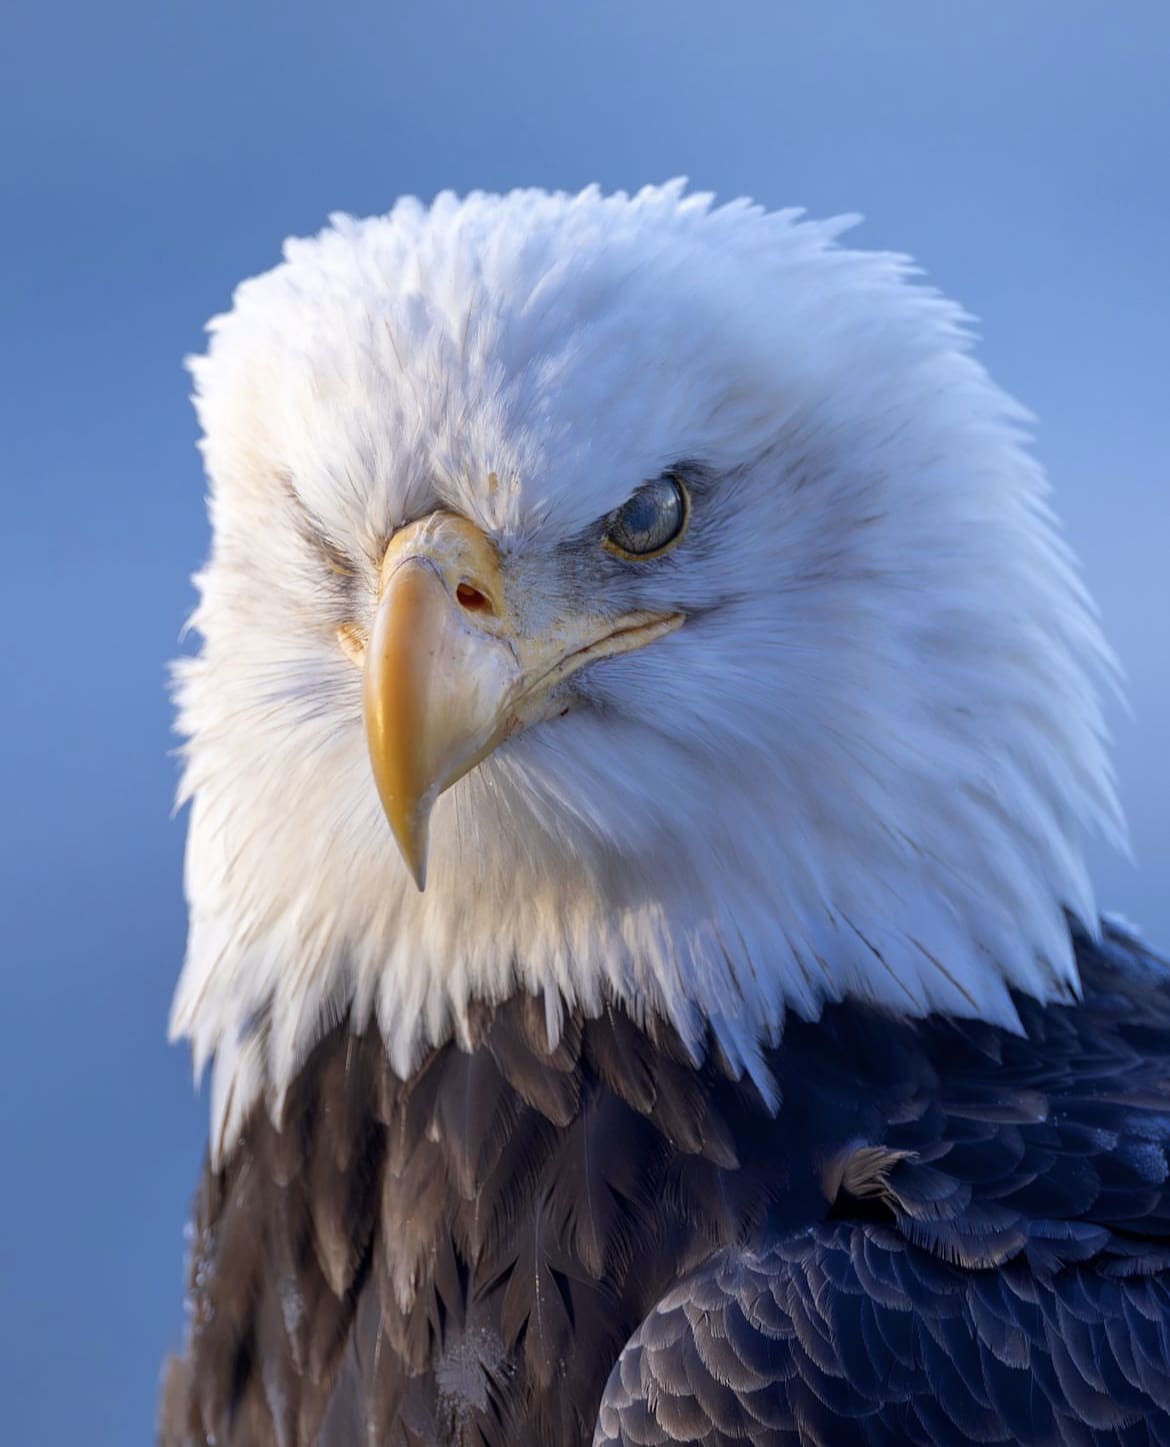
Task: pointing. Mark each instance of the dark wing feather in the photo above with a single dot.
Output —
(792, 1340)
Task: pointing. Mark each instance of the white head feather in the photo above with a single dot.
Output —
(865, 764)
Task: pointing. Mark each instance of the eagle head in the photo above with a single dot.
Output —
(620, 599)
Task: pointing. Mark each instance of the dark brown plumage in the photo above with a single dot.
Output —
(946, 1234)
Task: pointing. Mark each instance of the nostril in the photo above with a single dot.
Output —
(472, 599)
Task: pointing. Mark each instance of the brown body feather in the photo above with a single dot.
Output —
(467, 1250)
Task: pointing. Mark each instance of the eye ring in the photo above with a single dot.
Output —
(651, 522)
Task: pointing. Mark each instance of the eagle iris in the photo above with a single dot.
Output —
(651, 522)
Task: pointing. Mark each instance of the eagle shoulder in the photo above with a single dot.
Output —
(997, 1270)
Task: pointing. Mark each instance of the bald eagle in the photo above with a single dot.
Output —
(640, 758)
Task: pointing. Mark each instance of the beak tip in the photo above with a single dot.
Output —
(410, 834)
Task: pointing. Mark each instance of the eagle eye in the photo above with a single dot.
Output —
(651, 522)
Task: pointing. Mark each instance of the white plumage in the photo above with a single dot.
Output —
(864, 766)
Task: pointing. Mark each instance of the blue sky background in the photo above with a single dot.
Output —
(153, 154)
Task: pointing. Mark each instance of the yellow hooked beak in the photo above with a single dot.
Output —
(451, 671)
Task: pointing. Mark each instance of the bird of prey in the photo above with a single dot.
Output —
(640, 756)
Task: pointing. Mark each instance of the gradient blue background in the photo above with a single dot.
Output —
(155, 153)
